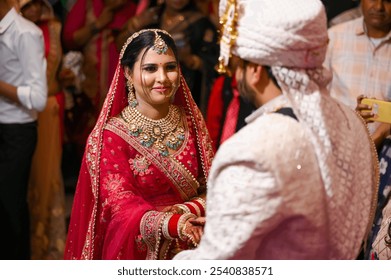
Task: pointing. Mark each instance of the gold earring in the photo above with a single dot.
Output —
(131, 95)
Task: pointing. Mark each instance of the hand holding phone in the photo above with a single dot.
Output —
(381, 110)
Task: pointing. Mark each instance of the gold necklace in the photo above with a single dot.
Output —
(163, 134)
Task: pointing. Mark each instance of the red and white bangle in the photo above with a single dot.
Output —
(201, 201)
(194, 208)
(201, 205)
(173, 224)
(165, 226)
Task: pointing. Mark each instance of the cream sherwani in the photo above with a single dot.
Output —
(267, 200)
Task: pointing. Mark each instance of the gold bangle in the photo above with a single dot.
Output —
(183, 207)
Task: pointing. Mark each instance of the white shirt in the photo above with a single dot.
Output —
(23, 65)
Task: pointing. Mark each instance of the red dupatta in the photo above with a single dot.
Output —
(82, 229)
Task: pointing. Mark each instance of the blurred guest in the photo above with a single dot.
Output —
(196, 39)
(357, 55)
(350, 14)
(23, 92)
(90, 27)
(381, 246)
(61, 8)
(377, 247)
(78, 113)
(46, 193)
(334, 8)
(227, 110)
(211, 9)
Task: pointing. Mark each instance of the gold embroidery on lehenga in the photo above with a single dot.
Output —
(113, 182)
(140, 165)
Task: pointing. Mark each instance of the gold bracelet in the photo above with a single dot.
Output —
(183, 207)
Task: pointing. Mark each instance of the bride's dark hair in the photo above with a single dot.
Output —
(145, 40)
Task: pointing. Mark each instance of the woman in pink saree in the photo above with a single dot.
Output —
(142, 182)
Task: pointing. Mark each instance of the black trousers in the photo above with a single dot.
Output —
(17, 145)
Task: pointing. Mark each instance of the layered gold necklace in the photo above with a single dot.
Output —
(163, 134)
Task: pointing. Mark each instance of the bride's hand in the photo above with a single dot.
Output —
(200, 221)
(193, 232)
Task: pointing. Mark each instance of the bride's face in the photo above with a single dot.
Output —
(155, 77)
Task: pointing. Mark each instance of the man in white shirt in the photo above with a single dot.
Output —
(287, 187)
(23, 92)
(358, 55)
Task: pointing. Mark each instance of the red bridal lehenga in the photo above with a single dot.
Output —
(125, 188)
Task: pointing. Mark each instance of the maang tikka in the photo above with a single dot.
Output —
(131, 95)
(159, 45)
